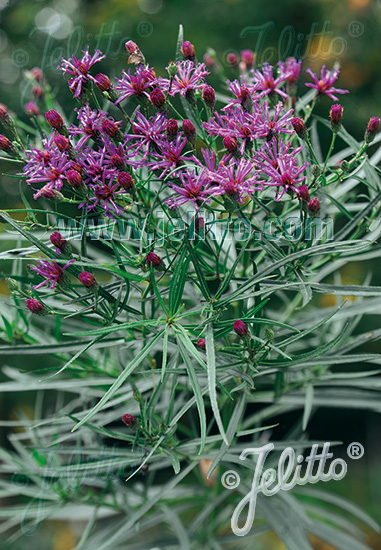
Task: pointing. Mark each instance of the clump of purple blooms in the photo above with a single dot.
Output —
(254, 143)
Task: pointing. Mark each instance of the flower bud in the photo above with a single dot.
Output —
(172, 69)
(59, 242)
(12, 284)
(74, 178)
(336, 115)
(61, 142)
(110, 128)
(303, 193)
(313, 206)
(230, 144)
(157, 98)
(31, 109)
(247, 57)
(6, 145)
(49, 194)
(209, 96)
(3, 112)
(209, 61)
(37, 73)
(201, 343)
(125, 180)
(87, 279)
(153, 259)
(246, 99)
(269, 334)
(131, 47)
(54, 119)
(172, 129)
(35, 306)
(189, 131)
(38, 92)
(188, 50)
(103, 82)
(372, 129)
(241, 329)
(232, 59)
(129, 420)
(299, 127)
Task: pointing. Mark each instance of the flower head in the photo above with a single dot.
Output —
(51, 271)
(189, 77)
(290, 69)
(324, 85)
(138, 84)
(267, 84)
(79, 69)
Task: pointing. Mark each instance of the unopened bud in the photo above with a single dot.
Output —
(188, 50)
(313, 206)
(87, 279)
(303, 193)
(336, 115)
(125, 180)
(31, 108)
(103, 82)
(157, 98)
(201, 343)
(74, 178)
(189, 131)
(209, 96)
(300, 128)
(54, 119)
(230, 144)
(35, 306)
(372, 129)
(172, 129)
(129, 420)
(241, 329)
(232, 59)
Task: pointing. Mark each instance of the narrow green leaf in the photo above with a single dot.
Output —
(120, 380)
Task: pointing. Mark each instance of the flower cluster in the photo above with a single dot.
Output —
(252, 137)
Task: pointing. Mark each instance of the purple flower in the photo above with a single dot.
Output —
(147, 132)
(139, 84)
(105, 192)
(267, 83)
(52, 272)
(189, 77)
(245, 93)
(79, 68)
(325, 84)
(90, 124)
(280, 165)
(194, 189)
(170, 155)
(235, 123)
(290, 69)
(279, 124)
(53, 174)
(236, 180)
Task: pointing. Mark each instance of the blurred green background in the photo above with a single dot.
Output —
(39, 33)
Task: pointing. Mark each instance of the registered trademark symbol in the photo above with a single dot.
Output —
(355, 450)
(145, 28)
(355, 29)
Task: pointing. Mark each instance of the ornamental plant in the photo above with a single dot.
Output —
(181, 271)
